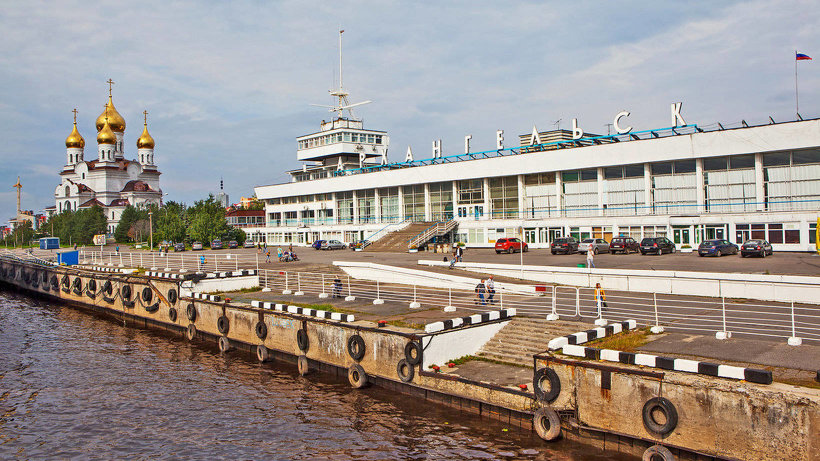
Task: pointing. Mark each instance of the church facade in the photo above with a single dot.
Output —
(109, 179)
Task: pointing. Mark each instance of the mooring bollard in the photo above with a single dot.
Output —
(657, 328)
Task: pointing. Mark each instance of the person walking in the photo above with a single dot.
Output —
(201, 262)
(480, 290)
(117, 249)
(590, 257)
(459, 252)
(600, 298)
(267, 256)
(453, 258)
(290, 248)
(337, 288)
(490, 290)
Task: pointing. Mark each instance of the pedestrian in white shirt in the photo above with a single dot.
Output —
(590, 256)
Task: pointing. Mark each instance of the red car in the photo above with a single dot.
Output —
(510, 245)
(625, 245)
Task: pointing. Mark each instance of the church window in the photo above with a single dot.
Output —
(83, 175)
(67, 191)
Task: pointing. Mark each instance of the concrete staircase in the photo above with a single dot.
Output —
(524, 336)
(396, 241)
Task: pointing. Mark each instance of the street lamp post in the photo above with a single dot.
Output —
(151, 228)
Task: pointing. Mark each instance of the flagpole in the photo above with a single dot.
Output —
(796, 98)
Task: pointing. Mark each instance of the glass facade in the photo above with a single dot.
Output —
(413, 202)
(441, 201)
(504, 197)
(674, 187)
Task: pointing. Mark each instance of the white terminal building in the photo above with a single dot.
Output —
(685, 182)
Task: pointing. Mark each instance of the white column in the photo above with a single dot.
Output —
(647, 188)
(455, 200)
(428, 215)
(600, 191)
(487, 211)
(402, 214)
(355, 208)
(699, 185)
(378, 205)
(559, 192)
(760, 192)
(522, 197)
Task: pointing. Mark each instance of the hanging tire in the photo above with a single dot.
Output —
(54, 283)
(107, 287)
(147, 294)
(262, 353)
(172, 314)
(65, 281)
(261, 330)
(546, 384)
(223, 325)
(547, 423)
(172, 296)
(77, 284)
(151, 308)
(405, 371)
(356, 347)
(667, 409)
(412, 353)
(657, 453)
(190, 333)
(357, 376)
(302, 365)
(224, 344)
(92, 285)
(190, 312)
(125, 292)
(302, 340)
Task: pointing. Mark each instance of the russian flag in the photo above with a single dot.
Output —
(802, 57)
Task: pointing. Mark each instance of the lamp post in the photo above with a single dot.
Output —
(151, 228)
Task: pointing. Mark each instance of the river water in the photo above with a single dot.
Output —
(75, 385)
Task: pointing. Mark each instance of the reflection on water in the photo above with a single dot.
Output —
(77, 386)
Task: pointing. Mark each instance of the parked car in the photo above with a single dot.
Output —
(598, 246)
(233, 244)
(317, 245)
(216, 244)
(717, 247)
(657, 246)
(625, 245)
(566, 245)
(510, 245)
(756, 247)
(333, 245)
(196, 246)
(249, 244)
(179, 247)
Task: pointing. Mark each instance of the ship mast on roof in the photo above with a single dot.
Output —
(341, 94)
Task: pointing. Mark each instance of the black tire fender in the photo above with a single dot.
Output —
(356, 347)
(412, 353)
(546, 384)
(77, 284)
(125, 292)
(223, 325)
(172, 314)
(172, 296)
(190, 312)
(657, 452)
(405, 371)
(302, 365)
(92, 285)
(262, 353)
(64, 281)
(107, 287)
(54, 282)
(224, 344)
(147, 294)
(261, 330)
(547, 423)
(357, 376)
(669, 411)
(302, 339)
(151, 308)
(190, 333)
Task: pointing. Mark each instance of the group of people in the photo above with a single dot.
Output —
(485, 288)
(458, 255)
(283, 256)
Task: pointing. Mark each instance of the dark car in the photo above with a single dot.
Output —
(657, 246)
(625, 245)
(216, 245)
(510, 245)
(317, 245)
(233, 244)
(179, 247)
(717, 247)
(756, 247)
(566, 245)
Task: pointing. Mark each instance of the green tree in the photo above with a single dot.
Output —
(127, 228)
(207, 221)
(171, 222)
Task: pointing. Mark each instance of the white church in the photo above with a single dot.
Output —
(110, 180)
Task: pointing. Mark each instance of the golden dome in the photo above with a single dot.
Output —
(106, 136)
(115, 120)
(75, 139)
(145, 140)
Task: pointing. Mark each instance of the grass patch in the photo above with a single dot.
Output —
(476, 358)
(627, 342)
(403, 324)
(247, 290)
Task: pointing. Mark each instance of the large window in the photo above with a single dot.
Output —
(674, 188)
(367, 205)
(470, 192)
(729, 183)
(778, 233)
(624, 190)
(580, 192)
(504, 197)
(413, 202)
(792, 180)
(441, 201)
(389, 204)
(344, 205)
(539, 195)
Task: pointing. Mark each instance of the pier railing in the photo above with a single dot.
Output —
(688, 314)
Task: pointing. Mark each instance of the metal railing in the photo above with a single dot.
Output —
(439, 228)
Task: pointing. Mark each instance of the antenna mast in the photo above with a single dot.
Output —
(344, 103)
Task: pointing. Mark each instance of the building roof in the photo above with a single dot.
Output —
(137, 186)
(91, 203)
(119, 202)
(245, 213)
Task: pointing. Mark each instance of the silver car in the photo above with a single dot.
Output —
(333, 245)
(598, 246)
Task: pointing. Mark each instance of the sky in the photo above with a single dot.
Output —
(228, 85)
